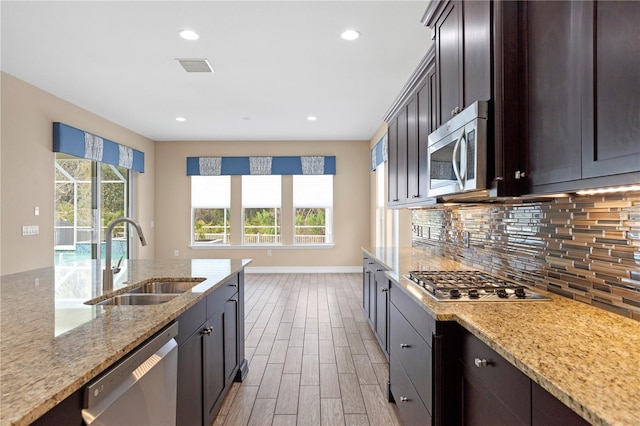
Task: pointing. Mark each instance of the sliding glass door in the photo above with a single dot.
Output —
(88, 196)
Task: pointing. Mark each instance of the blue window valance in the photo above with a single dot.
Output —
(379, 153)
(304, 165)
(76, 142)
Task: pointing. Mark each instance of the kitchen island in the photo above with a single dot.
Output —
(585, 357)
(52, 343)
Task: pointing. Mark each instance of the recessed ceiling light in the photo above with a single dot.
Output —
(181, 119)
(189, 35)
(350, 35)
(312, 118)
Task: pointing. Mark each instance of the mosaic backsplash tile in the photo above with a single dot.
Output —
(586, 248)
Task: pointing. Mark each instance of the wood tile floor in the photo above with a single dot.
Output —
(313, 360)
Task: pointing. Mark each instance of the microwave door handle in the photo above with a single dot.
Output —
(456, 147)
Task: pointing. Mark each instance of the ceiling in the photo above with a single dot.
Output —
(275, 62)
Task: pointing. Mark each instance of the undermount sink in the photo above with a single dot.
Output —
(150, 293)
(164, 287)
(138, 299)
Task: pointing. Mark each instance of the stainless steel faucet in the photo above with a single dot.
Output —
(109, 271)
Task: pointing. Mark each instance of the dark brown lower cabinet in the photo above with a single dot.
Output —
(375, 300)
(493, 392)
(422, 366)
(546, 410)
(210, 353)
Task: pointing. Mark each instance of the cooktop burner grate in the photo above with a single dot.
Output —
(471, 286)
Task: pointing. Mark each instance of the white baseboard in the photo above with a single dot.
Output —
(303, 269)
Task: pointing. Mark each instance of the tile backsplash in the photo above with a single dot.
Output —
(586, 248)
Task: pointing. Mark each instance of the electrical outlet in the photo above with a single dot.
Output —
(176, 253)
(268, 252)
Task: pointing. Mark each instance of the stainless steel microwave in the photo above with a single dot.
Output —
(457, 153)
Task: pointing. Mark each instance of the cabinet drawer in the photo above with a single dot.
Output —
(498, 376)
(409, 404)
(418, 317)
(217, 299)
(191, 321)
(413, 354)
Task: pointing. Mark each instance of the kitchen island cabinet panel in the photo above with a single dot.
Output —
(211, 356)
(67, 413)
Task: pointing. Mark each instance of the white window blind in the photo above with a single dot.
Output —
(261, 191)
(313, 191)
(211, 191)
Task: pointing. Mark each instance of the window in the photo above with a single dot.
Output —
(210, 209)
(313, 208)
(261, 203)
(88, 196)
(380, 206)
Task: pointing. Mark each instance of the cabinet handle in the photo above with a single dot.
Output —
(404, 399)
(394, 200)
(370, 263)
(207, 331)
(404, 346)
(379, 270)
(384, 290)
(416, 196)
(480, 362)
(233, 285)
(234, 300)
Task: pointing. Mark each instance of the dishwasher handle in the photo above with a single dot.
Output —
(101, 387)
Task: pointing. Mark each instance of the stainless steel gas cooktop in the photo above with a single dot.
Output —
(471, 286)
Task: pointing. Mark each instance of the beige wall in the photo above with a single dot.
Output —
(27, 172)
(351, 202)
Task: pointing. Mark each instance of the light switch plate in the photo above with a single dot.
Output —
(30, 230)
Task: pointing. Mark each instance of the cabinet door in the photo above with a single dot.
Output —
(547, 410)
(189, 402)
(413, 191)
(424, 128)
(213, 364)
(367, 282)
(611, 83)
(402, 156)
(230, 338)
(382, 309)
(448, 30)
(392, 163)
(554, 99)
(476, 45)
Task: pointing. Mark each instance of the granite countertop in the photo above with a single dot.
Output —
(52, 344)
(585, 356)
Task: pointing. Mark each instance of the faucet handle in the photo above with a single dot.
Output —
(116, 269)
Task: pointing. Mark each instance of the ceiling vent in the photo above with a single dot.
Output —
(195, 65)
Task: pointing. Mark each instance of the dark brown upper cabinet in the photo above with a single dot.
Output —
(410, 120)
(477, 58)
(582, 93)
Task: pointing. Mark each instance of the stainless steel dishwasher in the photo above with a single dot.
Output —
(140, 389)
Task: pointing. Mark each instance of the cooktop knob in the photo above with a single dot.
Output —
(520, 293)
(502, 293)
(454, 293)
(473, 294)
